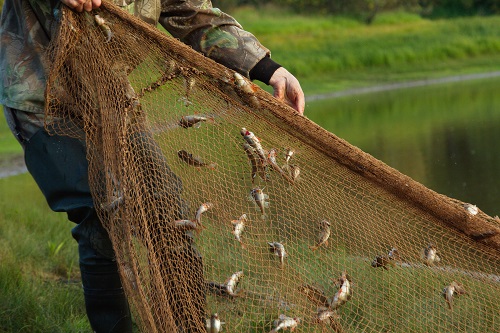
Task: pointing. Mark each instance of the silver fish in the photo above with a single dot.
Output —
(271, 158)
(194, 160)
(288, 155)
(471, 209)
(284, 323)
(238, 227)
(382, 261)
(344, 293)
(202, 209)
(254, 142)
(451, 290)
(258, 168)
(314, 294)
(329, 317)
(430, 256)
(260, 199)
(214, 324)
(247, 88)
(233, 282)
(104, 27)
(323, 235)
(186, 224)
(294, 171)
(278, 249)
(193, 121)
(324, 314)
(394, 254)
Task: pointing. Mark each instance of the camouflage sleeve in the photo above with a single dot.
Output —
(213, 33)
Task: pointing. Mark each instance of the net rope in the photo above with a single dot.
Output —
(225, 206)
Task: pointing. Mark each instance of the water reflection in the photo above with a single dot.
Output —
(446, 137)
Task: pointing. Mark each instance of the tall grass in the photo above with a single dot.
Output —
(40, 289)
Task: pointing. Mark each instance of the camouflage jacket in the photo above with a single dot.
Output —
(25, 27)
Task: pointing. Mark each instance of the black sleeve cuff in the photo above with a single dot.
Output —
(263, 70)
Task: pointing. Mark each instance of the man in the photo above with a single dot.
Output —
(58, 164)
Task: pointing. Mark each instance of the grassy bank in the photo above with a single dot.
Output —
(333, 53)
(40, 289)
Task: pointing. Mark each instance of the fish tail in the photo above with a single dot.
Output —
(212, 165)
(243, 245)
(314, 248)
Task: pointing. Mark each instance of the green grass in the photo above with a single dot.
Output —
(333, 53)
(8, 143)
(40, 288)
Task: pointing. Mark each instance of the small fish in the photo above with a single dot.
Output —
(382, 261)
(294, 171)
(288, 155)
(451, 290)
(214, 325)
(238, 227)
(104, 27)
(471, 209)
(278, 249)
(344, 293)
(194, 161)
(189, 83)
(247, 87)
(323, 315)
(315, 295)
(202, 209)
(394, 254)
(323, 235)
(254, 142)
(329, 317)
(186, 224)
(459, 289)
(258, 168)
(113, 204)
(284, 323)
(130, 275)
(429, 255)
(217, 288)
(271, 158)
(193, 121)
(243, 84)
(233, 282)
(260, 199)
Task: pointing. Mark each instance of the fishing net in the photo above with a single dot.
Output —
(224, 204)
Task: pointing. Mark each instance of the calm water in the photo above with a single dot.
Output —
(446, 137)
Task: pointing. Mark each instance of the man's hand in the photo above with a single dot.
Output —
(81, 5)
(287, 89)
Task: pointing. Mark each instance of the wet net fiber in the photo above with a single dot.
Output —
(228, 211)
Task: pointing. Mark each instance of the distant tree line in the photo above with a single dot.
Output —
(367, 9)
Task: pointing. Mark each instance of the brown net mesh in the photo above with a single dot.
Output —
(210, 223)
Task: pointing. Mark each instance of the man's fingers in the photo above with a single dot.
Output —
(87, 6)
(279, 92)
(300, 103)
(81, 5)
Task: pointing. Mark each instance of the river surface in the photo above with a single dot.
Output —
(445, 136)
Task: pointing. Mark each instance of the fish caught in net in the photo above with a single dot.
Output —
(228, 211)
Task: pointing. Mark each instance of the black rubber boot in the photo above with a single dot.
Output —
(105, 301)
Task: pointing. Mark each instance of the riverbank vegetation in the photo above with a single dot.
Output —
(331, 53)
